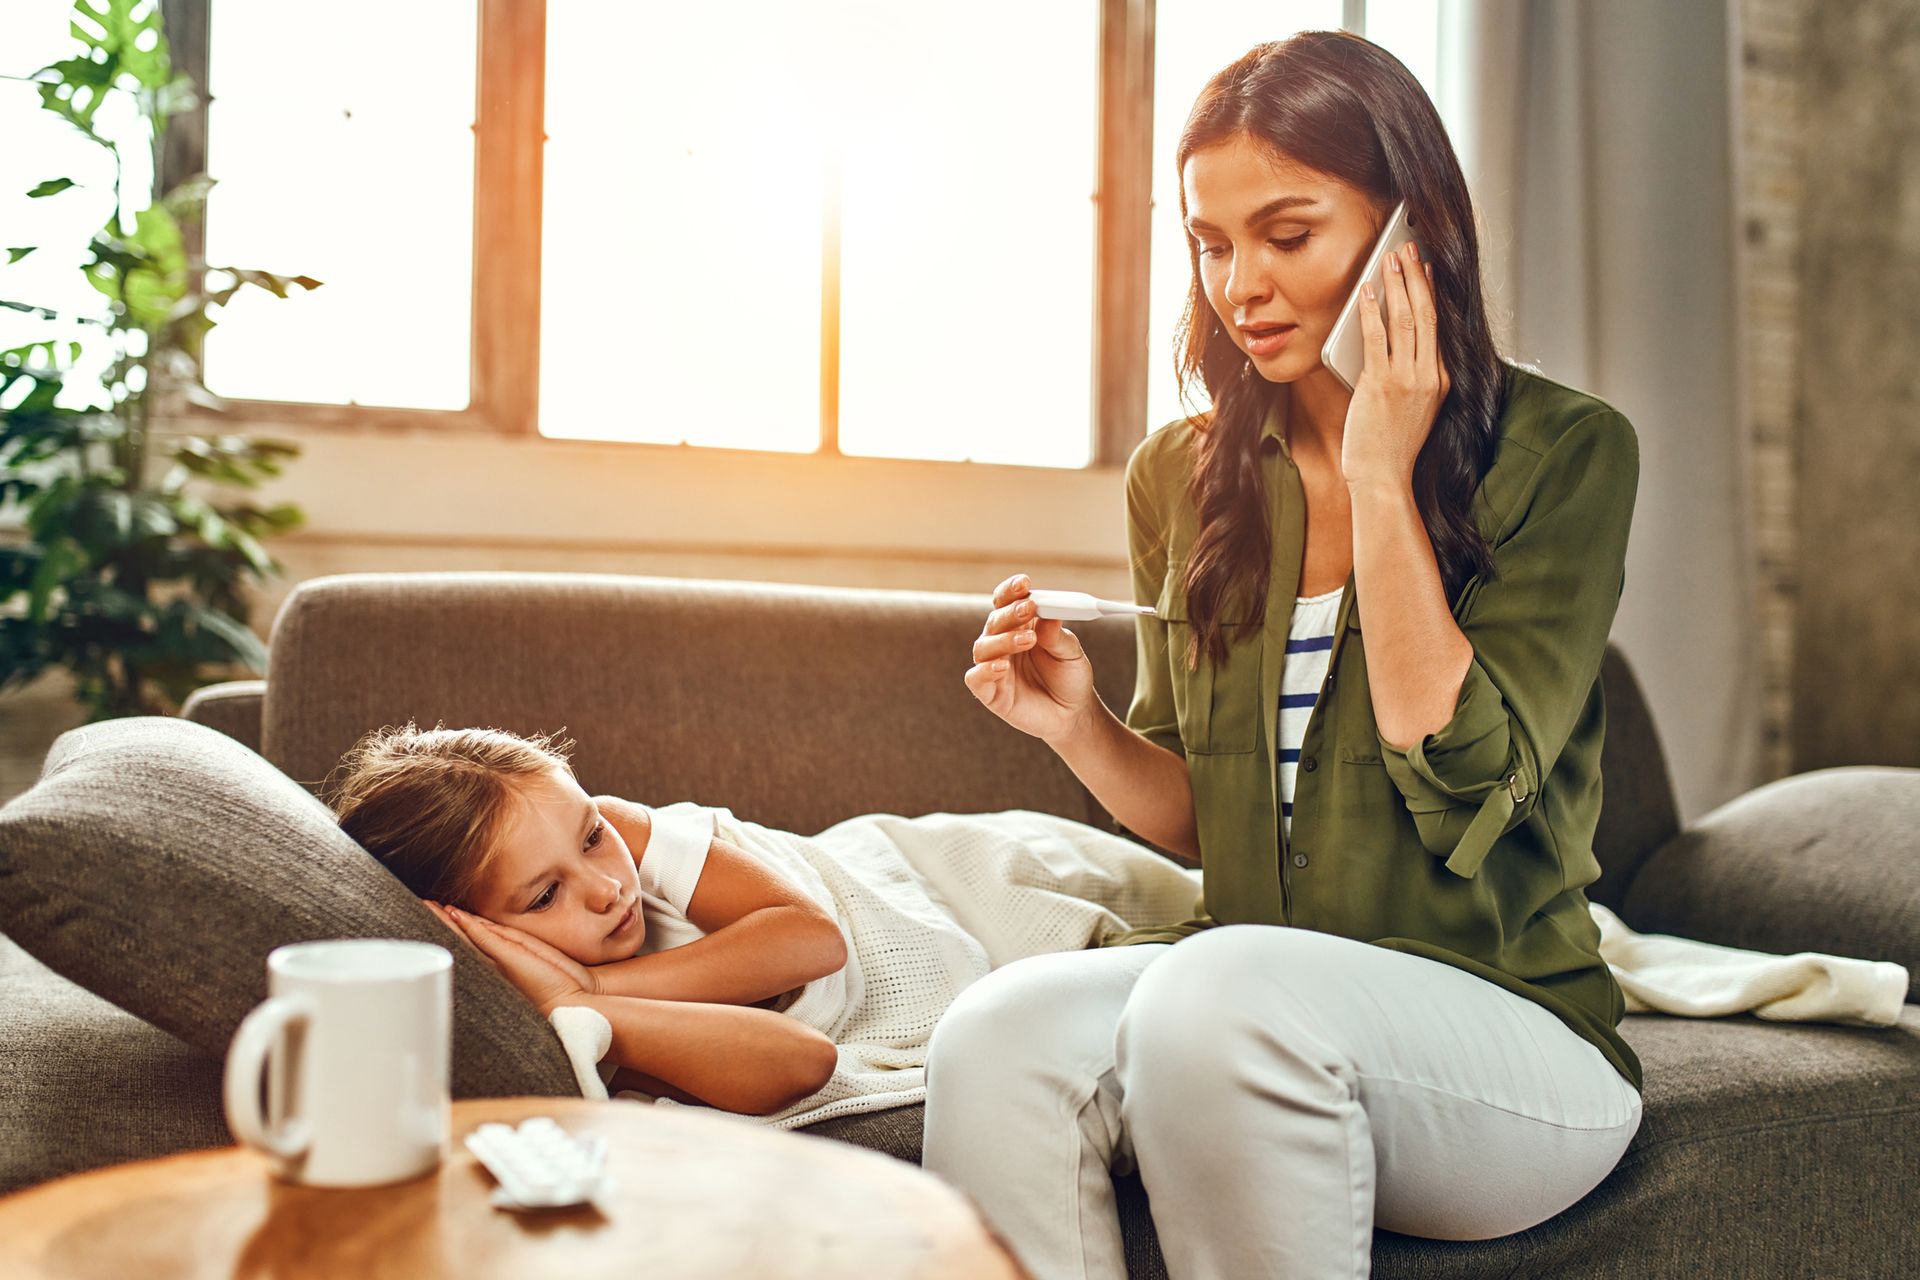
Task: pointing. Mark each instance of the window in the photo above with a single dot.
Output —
(680, 260)
(967, 233)
(766, 188)
(363, 181)
(582, 218)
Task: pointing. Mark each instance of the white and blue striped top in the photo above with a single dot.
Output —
(1309, 645)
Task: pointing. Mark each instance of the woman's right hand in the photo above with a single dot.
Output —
(1030, 671)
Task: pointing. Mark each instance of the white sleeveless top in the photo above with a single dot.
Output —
(1309, 645)
(670, 870)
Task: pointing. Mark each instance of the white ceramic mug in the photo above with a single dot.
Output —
(356, 1039)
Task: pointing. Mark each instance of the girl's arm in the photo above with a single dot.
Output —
(764, 936)
(747, 1060)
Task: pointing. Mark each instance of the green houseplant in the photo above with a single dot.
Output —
(137, 549)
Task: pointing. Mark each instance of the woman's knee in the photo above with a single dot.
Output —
(1030, 1016)
(1212, 1007)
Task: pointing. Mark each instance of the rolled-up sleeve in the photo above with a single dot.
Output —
(1539, 626)
(1151, 712)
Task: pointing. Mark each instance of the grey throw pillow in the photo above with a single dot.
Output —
(1825, 861)
(156, 862)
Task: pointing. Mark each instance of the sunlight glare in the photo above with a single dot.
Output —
(348, 159)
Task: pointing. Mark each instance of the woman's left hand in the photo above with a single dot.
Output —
(1403, 383)
(543, 975)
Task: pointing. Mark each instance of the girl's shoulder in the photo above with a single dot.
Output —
(676, 851)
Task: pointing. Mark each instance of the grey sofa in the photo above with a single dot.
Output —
(1766, 1150)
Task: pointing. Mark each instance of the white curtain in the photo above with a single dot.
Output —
(1596, 137)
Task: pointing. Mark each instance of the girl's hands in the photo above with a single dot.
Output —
(1030, 671)
(543, 973)
(1403, 384)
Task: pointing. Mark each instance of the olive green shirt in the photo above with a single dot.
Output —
(1473, 846)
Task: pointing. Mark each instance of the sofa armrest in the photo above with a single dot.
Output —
(1825, 861)
(233, 707)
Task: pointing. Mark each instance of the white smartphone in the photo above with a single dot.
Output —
(1345, 351)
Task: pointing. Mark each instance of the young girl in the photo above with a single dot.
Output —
(685, 944)
(736, 965)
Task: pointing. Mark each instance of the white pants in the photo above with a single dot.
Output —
(1281, 1092)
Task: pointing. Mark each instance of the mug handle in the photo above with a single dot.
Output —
(258, 1033)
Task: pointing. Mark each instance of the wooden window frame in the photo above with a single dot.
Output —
(504, 356)
(509, 136)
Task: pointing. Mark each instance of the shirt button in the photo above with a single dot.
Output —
(1299, 859)
(1309, 763)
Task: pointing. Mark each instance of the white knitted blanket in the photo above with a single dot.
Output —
(931, 904)
(1659, 973)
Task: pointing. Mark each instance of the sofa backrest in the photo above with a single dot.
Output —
(795, 707)
(1637, 809)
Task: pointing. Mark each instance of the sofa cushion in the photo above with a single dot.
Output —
(156, 862)
(88, 1084)
(1826, 861)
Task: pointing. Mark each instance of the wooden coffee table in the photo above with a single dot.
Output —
(698, 1196)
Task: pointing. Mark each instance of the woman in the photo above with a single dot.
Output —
(1391, 1009)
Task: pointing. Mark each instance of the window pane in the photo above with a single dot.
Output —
(1193, 40)
(1410, 31)
(967, 247)
(682, 224)
(342, 138)
(741, 130)
(39, 145)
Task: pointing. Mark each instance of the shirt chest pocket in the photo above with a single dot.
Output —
(1217, 705)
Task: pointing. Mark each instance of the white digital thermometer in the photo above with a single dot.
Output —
(1078, 606)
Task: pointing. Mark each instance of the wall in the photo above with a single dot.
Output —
(1856, 644)
(1771, 193)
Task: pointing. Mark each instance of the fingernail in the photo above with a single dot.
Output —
(1413, 252)
(1369, 293)
(1395, 264)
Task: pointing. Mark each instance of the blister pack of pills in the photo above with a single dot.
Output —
(540, 1165)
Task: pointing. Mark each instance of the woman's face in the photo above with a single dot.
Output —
(564, 875)
(1280, 246)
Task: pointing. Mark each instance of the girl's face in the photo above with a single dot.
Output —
(564, 875)
(1279, 245)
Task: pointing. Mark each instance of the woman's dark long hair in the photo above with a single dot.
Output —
(1340, 104)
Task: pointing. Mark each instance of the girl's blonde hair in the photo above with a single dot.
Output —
(429, 803)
